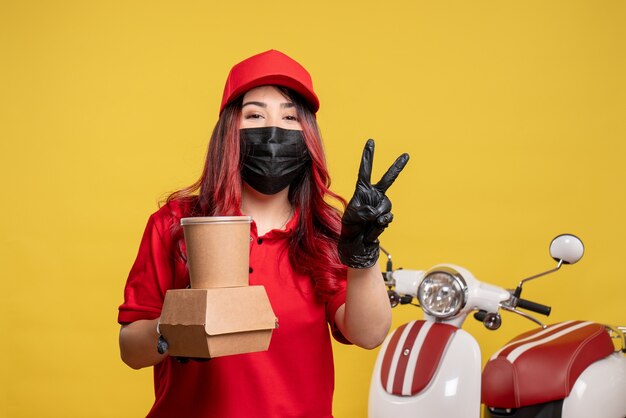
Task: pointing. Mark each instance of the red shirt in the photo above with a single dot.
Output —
(294, 378)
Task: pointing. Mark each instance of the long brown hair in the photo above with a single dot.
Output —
(313, 245)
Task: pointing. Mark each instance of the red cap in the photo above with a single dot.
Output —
(269, 67)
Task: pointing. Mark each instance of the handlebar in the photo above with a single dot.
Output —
(480, 315)
(521, 303)
(534, 306)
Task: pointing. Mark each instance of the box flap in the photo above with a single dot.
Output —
(184, 307)
(238, 309)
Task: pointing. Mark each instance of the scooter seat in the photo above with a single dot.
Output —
(542, 365)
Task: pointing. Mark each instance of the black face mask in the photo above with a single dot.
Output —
(272, 157)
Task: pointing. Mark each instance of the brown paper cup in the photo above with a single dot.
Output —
(218, 250)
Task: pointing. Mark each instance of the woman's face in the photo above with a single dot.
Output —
(266, 106)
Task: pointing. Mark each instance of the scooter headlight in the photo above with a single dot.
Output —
(442, 293)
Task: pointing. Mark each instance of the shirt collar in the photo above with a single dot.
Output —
(291, 226)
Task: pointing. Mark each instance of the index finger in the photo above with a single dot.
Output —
(392, 173)
(365, 170)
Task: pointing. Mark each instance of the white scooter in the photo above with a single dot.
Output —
(432, 368)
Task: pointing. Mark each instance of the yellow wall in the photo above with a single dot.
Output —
(513, 113)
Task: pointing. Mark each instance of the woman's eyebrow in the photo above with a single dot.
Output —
(262, 104)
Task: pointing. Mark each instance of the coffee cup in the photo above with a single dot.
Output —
(218, 250)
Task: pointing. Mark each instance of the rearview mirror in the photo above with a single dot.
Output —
(567, 248)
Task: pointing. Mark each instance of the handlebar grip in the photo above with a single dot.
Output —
(480, 315)
(533, 306)
(406, 299)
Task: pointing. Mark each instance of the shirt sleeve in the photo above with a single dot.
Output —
(332, 305)
(151, 276)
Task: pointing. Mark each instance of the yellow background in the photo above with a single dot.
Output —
(512, 111)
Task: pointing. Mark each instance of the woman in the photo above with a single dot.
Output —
(266, 160)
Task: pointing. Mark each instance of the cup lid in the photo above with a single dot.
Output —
(215, 219)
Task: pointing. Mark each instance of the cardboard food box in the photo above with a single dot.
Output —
(217, 322)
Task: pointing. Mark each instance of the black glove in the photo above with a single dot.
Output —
(368, 213)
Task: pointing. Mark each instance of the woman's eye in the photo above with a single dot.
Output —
(254, 116)
(291, 117)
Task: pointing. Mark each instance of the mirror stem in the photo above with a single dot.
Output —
(389, 267)
(518, 291)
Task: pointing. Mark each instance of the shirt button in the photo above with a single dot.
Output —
(250, 270)
(259, 241)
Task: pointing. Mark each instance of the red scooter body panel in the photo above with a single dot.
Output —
(427, 341)
(542, 365)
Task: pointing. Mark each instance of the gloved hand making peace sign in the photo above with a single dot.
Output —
(368, 213)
